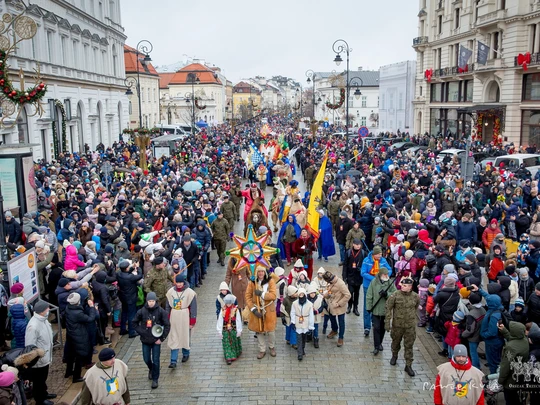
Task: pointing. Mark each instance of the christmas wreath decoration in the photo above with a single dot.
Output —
(30, 95)
(200, 107)
(339, 103)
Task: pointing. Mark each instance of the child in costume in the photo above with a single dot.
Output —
(317, 300)
(303, 319)
(423, 293)
(229, 327)
(223, 292)
(523, 249)
(281, 285)
(290, 335)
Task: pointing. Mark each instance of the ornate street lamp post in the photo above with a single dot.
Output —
(339, 47)
(310, 74)
(193, 78)
(144, 47)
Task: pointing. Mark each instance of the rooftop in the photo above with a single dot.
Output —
(205, 75)
(130, 60)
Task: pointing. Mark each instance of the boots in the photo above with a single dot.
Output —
(349, 307)
(356, 311)
(116, 318)
(393, 360)
(410, 371)
(316, 343)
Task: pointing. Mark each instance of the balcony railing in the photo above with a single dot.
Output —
(420, 41)
(491, 17)
(535, 60)
(452, 71)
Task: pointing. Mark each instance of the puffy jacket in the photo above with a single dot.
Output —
(516, 346)
(337, 302)
(18, 325)
(127, 284)
(448, 300)
(489, 236)
(203, 236)
(367, 265)
(351, 267)
(77, 323)
(62, 294)
(473, 322)
(489, 329)
(525, 288)
(12, 229)
(157, 316)
(101, 297)
(373, 295)
(71, 261)
(466, 231)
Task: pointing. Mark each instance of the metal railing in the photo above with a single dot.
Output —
(419, 41)
(452, 71)
(535, 59)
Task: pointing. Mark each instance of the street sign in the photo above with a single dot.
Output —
(106, 168)
(363, 131)
(326, 124)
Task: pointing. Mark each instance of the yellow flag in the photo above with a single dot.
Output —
(315, 200)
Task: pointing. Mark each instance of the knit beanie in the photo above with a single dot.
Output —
(475, 298)
(424, 282)
(458, 316)
(377, 250)
(449, 268)
(464, 292)
(520, 302)
(74, 298)
(449, 282)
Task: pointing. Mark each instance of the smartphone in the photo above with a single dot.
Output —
(470, 288)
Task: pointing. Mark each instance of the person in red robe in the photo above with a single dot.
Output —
(303, 248)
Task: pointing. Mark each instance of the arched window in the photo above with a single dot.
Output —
(115, 60)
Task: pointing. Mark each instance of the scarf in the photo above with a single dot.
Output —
(227, 317)
(375, 269)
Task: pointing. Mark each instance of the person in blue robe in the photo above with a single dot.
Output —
(269, 173)
(291, 220)
(325, 243)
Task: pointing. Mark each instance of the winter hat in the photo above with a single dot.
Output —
(460, 350)
(13, 370)
(409, 254)
(8, 214)
(343, 214)
(7, 378)
(311, 289)
(158, 260)
(40, 306)
(224, 286)
(291, 290)
(453, 276)
(40, 244)
(523, 272)
(74, 298)
(377, 250)
(458, 316)
(124, 264)
(449, 268)
(279, 271)
(413, 232)
(151, 296)
(100, 276)
(464, 292)
(109, 249)
(229, 299)
(301, 291)
(186, 238)
(535, 244)
(106, 354)
(520, 302)
(321, 270)
(180, 278)
(475, 298)
(299, 264)
(449, 282)
(328, 277)
(64, 281)
(471, 257)
(17, 288)
(424, 282)
(383, 271)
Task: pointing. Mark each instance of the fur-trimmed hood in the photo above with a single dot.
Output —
(29, 357)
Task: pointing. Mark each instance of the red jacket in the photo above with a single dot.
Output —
(495, 268)
(453, 334)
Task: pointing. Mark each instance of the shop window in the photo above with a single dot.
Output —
(531, 87)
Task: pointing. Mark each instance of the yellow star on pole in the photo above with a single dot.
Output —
(251, 251)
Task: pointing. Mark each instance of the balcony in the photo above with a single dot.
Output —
(453, 71)
(489, 19)
(420, 41)
(440, 5)
(535, 60)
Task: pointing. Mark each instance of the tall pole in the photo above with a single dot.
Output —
(311, 76)
(139, 90)
(343, 46)
(3, 247)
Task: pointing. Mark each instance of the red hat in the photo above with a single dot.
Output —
(17, 288)
(493, 221)
(253, 185)
(423, 235)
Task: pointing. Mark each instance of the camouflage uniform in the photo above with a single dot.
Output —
(229, 212)
(158, 281)
(236, 199)
(310, 176)
(221, 229)
(333, 213)
(401, 310)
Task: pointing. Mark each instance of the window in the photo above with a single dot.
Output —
(400, 106)
(456, 55)
(63, 50)
(22, 126)
(456, 18)
(531, 88)
(115, 61)
(86, 57)
(469, 87)
(112, 14)
(502, 5)
(142, 95)
(50, 46)
(104, 62)
(75, 53)
(97, 66)
(436, 92)
(364, 101)
(476, 10)
(420, 90)
(495, 45)
(439, 24)
(382, 102)
(453, 91)
(100, 11)
(363, 121)
(532, 37)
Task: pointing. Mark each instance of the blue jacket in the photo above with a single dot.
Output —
(203, 236)
(18, 326)
(466, 231)
(367, 264)
(489, 329)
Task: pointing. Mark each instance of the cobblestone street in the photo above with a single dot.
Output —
(329, 375)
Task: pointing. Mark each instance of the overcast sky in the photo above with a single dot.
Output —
(246, 38)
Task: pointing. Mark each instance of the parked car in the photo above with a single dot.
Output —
(416, 149)
(450, 153)
(401, 146)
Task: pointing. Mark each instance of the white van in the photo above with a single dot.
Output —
(512, 162)
(172, 130)
(450, 153)
(187, 128)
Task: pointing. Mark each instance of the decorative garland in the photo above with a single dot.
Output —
(20, 97)
(497, 136)
(141, 131)
(59, 104)
(339, 103)
(479, 127)
(200, 107)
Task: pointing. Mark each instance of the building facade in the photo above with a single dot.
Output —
(396, 94)
(78, 50)
(495, 94)
(363, 108)
(148, 79)
(247, 100)
(195, 92)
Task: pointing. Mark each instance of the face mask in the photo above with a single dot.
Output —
(384, 279)
(302, 300)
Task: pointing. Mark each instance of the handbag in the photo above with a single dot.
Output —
(438, 324)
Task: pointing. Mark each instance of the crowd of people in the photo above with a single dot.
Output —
(421, 246)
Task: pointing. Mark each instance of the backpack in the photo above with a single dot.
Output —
(113, 290)
(506, 318)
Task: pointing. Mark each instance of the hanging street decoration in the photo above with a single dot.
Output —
(340, 102)
(524, 60)
(13, 30)
(200, 107)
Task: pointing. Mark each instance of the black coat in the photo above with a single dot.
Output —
(77, 323)
(533, 308)
(157, 316)
(127, 285)
(448, 300)
(191, 256)
(61, 295)
(352, 266)
(101, 297)
(13, 230)
(343, 228)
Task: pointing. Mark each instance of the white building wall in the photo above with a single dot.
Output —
(149, 102)
(81, 60)
(396, 95)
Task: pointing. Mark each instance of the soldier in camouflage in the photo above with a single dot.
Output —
(236, 197)
(221, 229)
(229, 210)
(158, 280)
(401, 312)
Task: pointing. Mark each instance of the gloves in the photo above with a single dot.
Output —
(258, 293)
(284, 321)
(383, 293)
(387, 326)
(238, 334)
(257, 313)
(420, 307)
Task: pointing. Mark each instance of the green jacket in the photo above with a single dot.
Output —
(354, 234)
(401, 310)
(373, 296)
(157, 280)
(333, 208)
(229, 210)
(517, 346)
(221, 229)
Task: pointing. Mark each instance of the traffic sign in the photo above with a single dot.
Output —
(325, 124)
(363, 131)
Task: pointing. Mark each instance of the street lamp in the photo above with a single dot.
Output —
(144, 47)
(338, 47)
(301, 101)
(311, 76)
(354, 82)
(193, 78)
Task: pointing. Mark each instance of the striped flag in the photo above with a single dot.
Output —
(315, 201)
